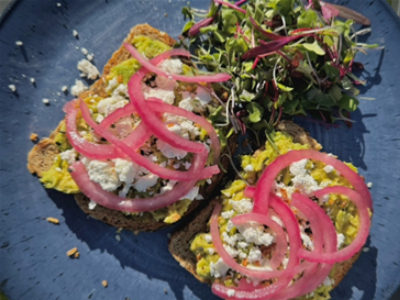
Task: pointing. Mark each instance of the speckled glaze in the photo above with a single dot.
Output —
(33, 261)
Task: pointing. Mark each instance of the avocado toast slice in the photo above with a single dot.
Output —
(46, 158)
(192, 247)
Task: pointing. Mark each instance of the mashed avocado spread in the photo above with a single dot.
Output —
(58, 177)
(250, 252)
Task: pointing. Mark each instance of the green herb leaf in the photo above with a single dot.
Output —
(314, 47)
(255, 111)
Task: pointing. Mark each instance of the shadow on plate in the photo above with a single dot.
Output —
(146, 253)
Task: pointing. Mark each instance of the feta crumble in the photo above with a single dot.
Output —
(46, 101)
(242, 206)
(78, 88)
(84, 51)
(104, 174)
(218, 269)
(340, 240)
(192, 194)
(69, 156)
(75, 33)
(166, 96)
(19, 43)
(170, 152)
(88, 69)
(172, 66)
(143, 183)
(12, 87)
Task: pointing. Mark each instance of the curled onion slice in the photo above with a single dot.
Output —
(151, 66)
(112, 201)
(265, 183)
(138, 159)
(249, 191)
(362, 235)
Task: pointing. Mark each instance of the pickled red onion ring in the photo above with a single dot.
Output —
(94, 191)
(362, 235)
(138, 159)
(151, 66)
(265, 182)
(249, 191)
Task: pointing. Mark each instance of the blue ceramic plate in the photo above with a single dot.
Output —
(33, 261)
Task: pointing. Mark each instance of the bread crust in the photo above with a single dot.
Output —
(41, 157)
(179, 244)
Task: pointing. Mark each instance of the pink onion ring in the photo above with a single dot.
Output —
(362, 235)
(138, 159)
(265, 183)
(249, 191)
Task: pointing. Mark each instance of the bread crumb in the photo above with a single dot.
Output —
(52, 220)
(165, 15)
(76, 255)
(34, 137)
(165, 291)
(104, 283)
(72, 251)
(19, 43)
(136, 232)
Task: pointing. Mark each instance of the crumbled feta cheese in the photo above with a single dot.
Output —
(191, 195)
(299, 167)
(307, 241)
(89, 57)
(58, 4)
(166, 96)
(218, 269)
(232, 252)
(75, 33)
(211, 251)
(229, 226)
(170, 152)
(254, 255)
(19, 43)
(121, 90)
(249, 168)
(228, 214)
(45, 101)
(369, 185)
(87, 68)
(186, 104)
(242, 206)
(328, 169)
(32, 80)
(170, 185)
(84, 51)
(104, 174)
(231, 293)
(231, 240)
(126, 171)
(112, 84)
(82, 133)
(285, 262)
(254, 233)
(188, 127)
(69, 156)
(78, 88)
(305, 183)
(12, 87)
(243, 245)
(340, 240)
(172, 66)
(99, 118)
(144, 182)
(277, 220)
(242, 255)
(328, 281)
(64, 88)
(108, 105)
(92, 205)
(208, 238)
(58, 169)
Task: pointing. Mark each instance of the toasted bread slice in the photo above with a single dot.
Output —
(179, 244)
(41, 157)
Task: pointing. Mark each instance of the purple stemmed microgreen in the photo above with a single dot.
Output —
(233, 6)
(195, 29)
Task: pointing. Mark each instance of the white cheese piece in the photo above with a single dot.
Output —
(19, 43)
(188, 127)
(64, 88)
(208, 238)
(172, 66)
(45, 101)
(144, 182)
(87, 68)
(285, 262)
(32, 80)
(218, 269)
(299, 167)
(126, 171)
(231, 240)
(369, 185)
(211, 251)
(69, 156)
(58, 169)
(99, 118)
(340, 240)
(84, 51)
(78, 88)
(242, 206)
(231, 293)
(249, 168)
(305, 183)
(12, 87)
(192, 194)
(166, 96)
(328, 281)
(170, 185)
(277, 220)
(104, 174)
(254, 233)
(307, 241)
(229, 226)
(92, 205)
(75, 33)
(108, 105)
(243, 245)
(121, 90)
(328, 169)
(186, 104)
(113, 83)
(170, 152)
(232, 252)
(254, 255)
(228, 214)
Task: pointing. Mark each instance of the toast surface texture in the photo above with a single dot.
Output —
(41, 157)
(179, 244)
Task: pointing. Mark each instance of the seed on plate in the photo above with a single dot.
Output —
(46, 101)
(104, 283)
